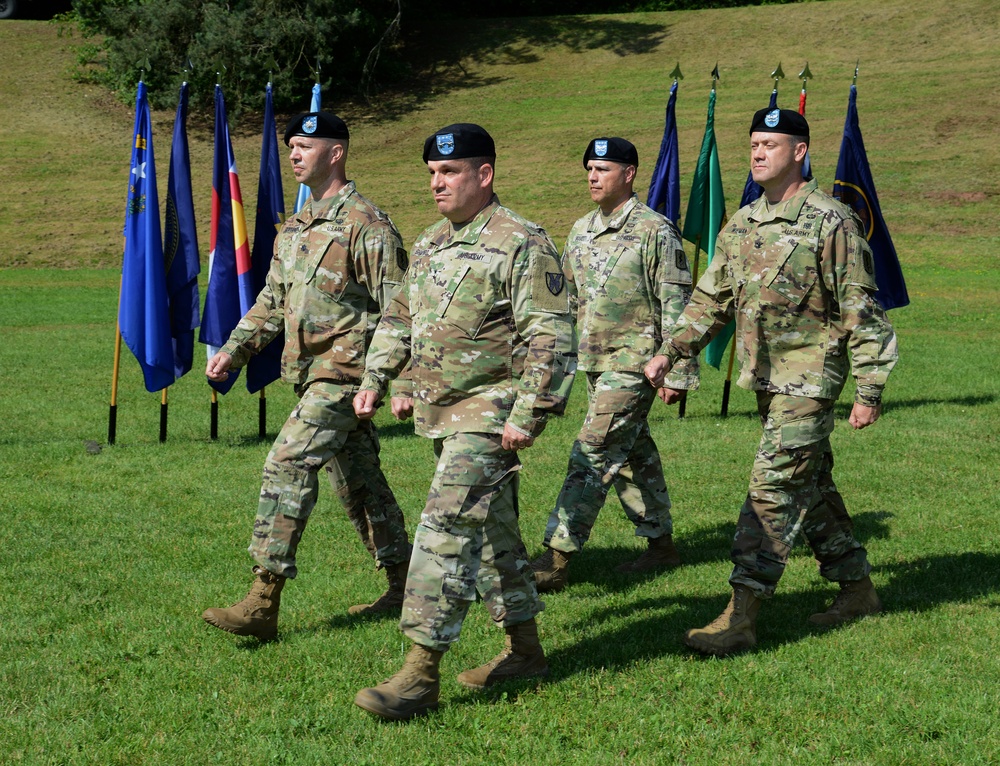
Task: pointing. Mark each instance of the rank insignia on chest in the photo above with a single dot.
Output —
(554, 281)
(758, 243)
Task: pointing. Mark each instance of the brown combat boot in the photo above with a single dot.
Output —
(412, 692)
(857, 598)
(660, 554)
(732, 631)
(392, 599)
(257, 614)
(551, 571)
(522, 657)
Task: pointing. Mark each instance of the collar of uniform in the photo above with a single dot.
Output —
(617, 219)
(469, 234)
(785, 211)
(325, 209)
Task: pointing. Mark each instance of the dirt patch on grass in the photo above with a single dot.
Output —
(957, 197)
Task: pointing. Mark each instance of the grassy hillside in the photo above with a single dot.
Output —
(111, 554)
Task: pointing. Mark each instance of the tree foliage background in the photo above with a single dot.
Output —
(356, 43)
(243, 42)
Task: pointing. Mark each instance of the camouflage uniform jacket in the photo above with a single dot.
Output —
(629, 282)
(337, 263)
(800, 279)
(484, 314)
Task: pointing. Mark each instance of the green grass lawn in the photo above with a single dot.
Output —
(111, 557)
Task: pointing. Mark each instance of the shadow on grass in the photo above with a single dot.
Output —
(913, 586)
(437, 69)
(843, 409)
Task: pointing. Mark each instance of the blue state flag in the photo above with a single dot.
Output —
(180, 245)
(265, 367)
(315, 104)
(665, 187)
(143, 316)
(854, 186)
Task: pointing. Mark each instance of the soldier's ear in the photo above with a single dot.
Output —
(485, 175)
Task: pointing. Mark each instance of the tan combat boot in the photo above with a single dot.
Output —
(412, 692)
(660, 554)
(522, 657)
(857, 598)
(551, 571)
(257, 614)
(732, 631)
(392, 599)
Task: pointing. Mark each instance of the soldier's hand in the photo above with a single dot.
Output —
(514, 440)
(402, 407)
(656, 370)
(217, 368)
(863, 416)
(365, 404)
(670, 395)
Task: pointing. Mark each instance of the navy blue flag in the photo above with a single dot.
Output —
(265, 367)
(180, 245)
(751, 190)
(854, 186)
(143, 317)
(665, 187)
(230, 291)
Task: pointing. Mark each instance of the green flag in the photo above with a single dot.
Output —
(706, 214)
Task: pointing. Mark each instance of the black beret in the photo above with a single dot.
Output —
(785, 121)
(612, 149)
(316, 125)
(459, 141)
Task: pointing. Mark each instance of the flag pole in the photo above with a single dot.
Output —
(163, 415)
(729, 378)
(113, 410)
(214, 416)
(262, 414)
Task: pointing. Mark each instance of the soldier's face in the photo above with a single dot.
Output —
(610, 183)
(775, 158)
(460, 188)
(313, 159)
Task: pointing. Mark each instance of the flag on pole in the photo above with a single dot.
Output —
(143, 316)
(314, 106)
(180, 246)
(265, 367)
(230, 280)
(807, 172)
(854, 186)
(665, 187)
(706, 213)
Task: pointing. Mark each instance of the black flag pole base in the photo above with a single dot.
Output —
(112, 423)
(163, 422)
(682, 405)
(262, 418)
(214, 421)
(725, 398)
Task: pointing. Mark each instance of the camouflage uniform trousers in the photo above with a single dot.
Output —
(323, 431)
(614, 448)
(792, 491)
(468, 541)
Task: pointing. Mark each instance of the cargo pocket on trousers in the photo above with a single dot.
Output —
(609, 403)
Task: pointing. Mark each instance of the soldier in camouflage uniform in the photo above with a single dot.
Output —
(795, 271)
(336, 265)
(631, 282)
(483, 317)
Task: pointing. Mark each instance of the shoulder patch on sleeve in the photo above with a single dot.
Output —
(863, 262)
(548, 285)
